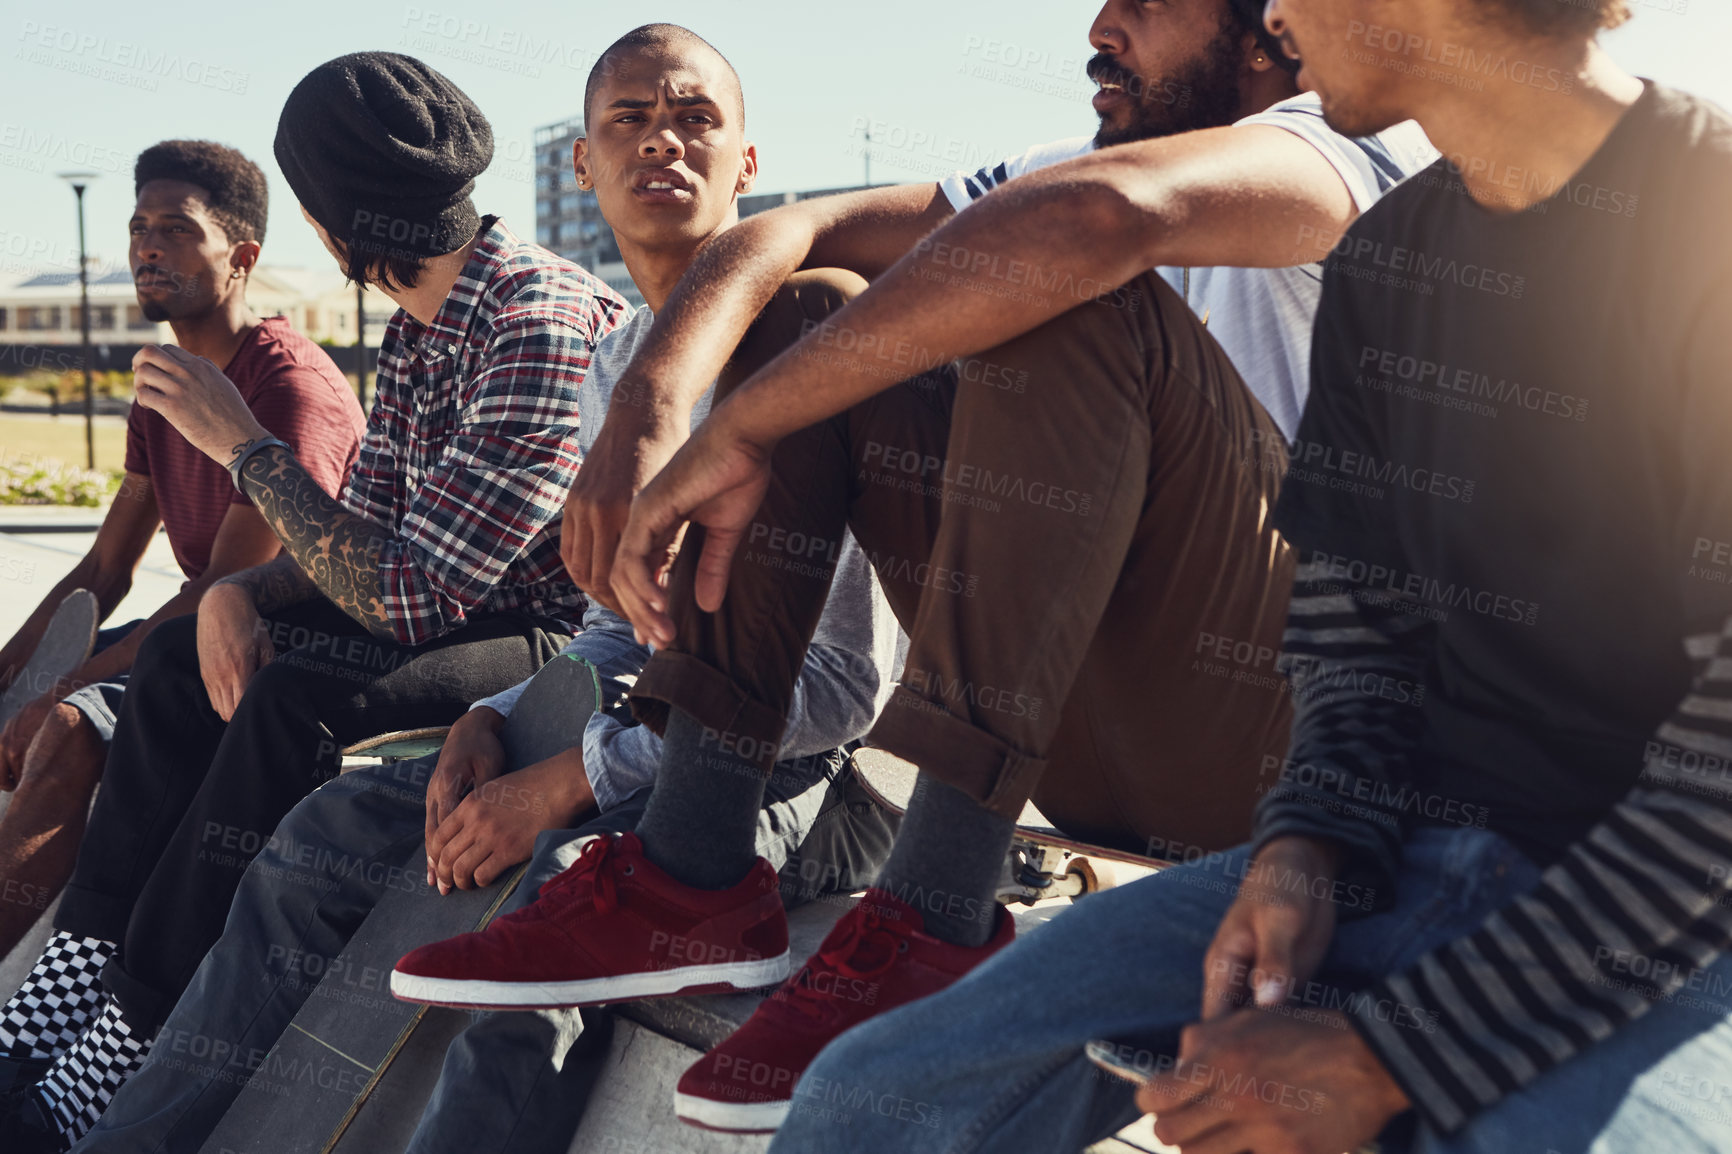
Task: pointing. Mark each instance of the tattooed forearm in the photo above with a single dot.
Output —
(336, 550)
(276, 584)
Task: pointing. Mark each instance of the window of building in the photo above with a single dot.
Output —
(3, 318)
(136, 321)
(39, 318)
(101, 318)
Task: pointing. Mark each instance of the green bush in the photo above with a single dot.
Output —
(71, 384)
(41, 481)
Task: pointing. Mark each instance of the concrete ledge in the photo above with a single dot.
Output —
(51, 518)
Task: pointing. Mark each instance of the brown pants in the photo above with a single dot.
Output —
(1074, 529)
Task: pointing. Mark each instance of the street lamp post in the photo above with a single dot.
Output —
(79, 181)
(361, 344)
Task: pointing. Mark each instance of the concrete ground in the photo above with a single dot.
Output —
(36, 551)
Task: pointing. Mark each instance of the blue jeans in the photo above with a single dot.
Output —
(995, 1063)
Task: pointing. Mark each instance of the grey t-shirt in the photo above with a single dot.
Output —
(850, 666)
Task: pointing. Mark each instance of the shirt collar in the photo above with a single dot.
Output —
(494, 245)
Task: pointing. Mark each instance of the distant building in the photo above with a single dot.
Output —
(319, 302)
(42, 308)
(765, 201)
(568, 219)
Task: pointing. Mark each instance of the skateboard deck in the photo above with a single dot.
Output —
(1044, 863)
(66, 644)
(338, 1054)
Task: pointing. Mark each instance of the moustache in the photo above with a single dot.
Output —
(1103, 69)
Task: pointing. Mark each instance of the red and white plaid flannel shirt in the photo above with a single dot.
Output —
(472, 441)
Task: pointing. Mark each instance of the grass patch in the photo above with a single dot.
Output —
(41, 460)
(61, 439)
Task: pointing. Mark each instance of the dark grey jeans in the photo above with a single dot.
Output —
(511, 1081)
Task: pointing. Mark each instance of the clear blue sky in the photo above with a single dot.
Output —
(948, 84)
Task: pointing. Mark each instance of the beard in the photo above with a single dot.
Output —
(1204, 93)
(184, 299)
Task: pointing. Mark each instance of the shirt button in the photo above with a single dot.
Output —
(450, 348)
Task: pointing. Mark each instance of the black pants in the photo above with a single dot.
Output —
(187, 801)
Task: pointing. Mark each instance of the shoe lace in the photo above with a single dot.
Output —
(595, 865)
(868, 948)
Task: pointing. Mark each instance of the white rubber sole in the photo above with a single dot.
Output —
(731, 1117)
(590, 991)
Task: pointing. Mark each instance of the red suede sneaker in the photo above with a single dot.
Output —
(876, 958)
(612, 928)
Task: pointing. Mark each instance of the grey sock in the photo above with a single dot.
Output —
(701, 822)
(947, 861)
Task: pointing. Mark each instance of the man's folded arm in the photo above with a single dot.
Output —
(1248, 196)
(737, 273)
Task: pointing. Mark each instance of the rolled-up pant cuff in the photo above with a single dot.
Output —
(961, 755)
(143, 1008)
(86, 913)
(750, 729)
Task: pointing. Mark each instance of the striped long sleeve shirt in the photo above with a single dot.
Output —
(1538, 983)
(1511, 490)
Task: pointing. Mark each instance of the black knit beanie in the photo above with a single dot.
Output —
(383, 151)
(1251, 11)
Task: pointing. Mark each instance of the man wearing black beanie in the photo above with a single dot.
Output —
(383, 152)
(434, 580)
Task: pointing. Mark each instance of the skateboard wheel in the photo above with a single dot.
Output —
(1092, 876)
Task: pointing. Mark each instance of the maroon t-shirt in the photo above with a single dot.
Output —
(295, 392)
